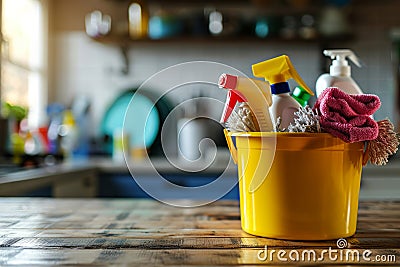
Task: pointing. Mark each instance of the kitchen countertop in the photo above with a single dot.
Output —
(147, 233)
(107, 165)
(378, 182)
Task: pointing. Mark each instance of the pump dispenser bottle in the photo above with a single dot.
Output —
(277, 71)
(340, 72)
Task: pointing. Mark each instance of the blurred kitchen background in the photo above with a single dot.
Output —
(70, 67)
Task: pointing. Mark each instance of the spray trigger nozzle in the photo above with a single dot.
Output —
(232, 98)
(341, 56)
(278, 70)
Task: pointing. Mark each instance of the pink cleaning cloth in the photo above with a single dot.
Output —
(359, 128)
(348, 116)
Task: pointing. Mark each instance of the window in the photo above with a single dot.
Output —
(24, 57)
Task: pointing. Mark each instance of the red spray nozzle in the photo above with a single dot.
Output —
(232, 98)
(227, 81)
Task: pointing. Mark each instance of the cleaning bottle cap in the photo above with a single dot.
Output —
(227, 81)
(237, 84)
(278, 70)
(340, 66)
(301, 95)
(232, 98)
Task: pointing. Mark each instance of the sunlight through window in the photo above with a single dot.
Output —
(23, 57)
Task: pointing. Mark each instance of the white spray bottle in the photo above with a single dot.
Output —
(340, 72)
(277, 71)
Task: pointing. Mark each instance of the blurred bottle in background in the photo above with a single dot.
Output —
(138, 18)
(334, 19)
(55, 114)
(80, 110)
(69, 134)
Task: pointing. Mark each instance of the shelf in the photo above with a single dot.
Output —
(125, 41)
(241, 20)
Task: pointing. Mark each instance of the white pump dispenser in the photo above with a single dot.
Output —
(340, 72)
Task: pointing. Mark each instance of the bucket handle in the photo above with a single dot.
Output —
(231, 145)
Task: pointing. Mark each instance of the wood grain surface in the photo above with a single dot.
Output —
(135, 232)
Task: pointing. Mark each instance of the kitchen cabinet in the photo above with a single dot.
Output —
(65, 180)
(103, 177)
(123, 185)
(115, 180)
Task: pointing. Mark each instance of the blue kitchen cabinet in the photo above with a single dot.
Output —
(123, 185)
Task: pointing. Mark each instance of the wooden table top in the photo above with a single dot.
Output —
(145, 232)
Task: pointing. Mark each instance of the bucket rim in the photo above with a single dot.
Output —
(286, 134)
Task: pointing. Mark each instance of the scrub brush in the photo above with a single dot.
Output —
(386, 144)
(306, 120)
(277, 127)
(242, 121)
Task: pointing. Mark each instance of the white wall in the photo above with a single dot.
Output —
(89, 68)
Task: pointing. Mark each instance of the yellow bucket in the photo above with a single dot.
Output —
(307, 191)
